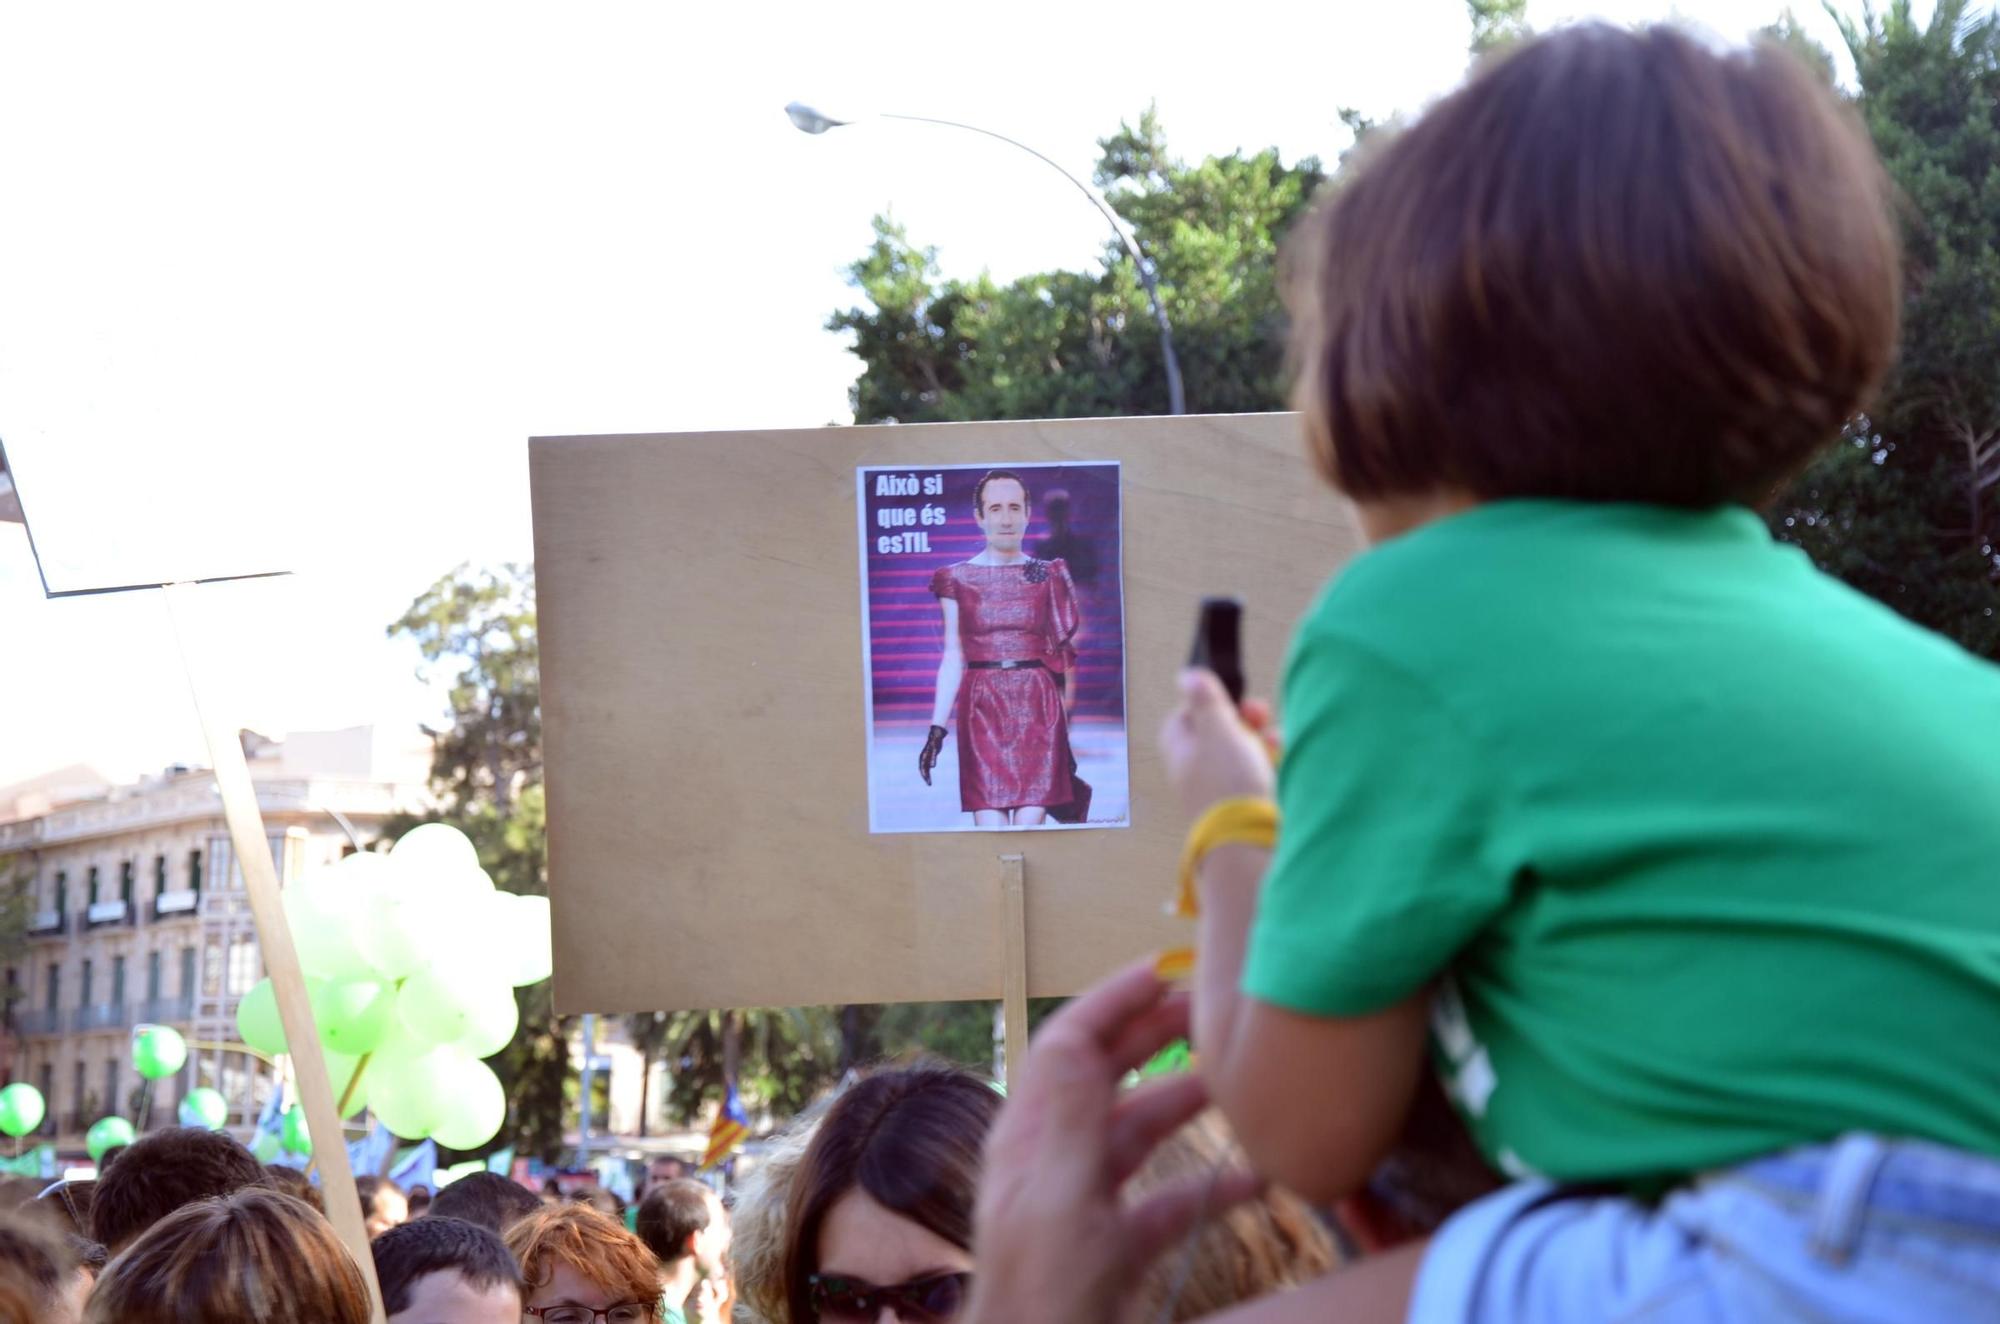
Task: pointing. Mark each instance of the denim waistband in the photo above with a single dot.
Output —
(1862, 1175)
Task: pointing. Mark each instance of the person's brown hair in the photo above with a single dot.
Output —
(161, 1172)
(910, 1137)
(672, 1212)
(295, 1183)
(1271, 1243)
(588, 1242)
(1614, 266)
(35, 1260)
(256, 1257)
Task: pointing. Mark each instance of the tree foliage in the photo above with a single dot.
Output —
(1904, 508)
(1497, 23)
(1065, 344)
(477, 629)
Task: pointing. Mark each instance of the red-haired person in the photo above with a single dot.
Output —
(579, 1267)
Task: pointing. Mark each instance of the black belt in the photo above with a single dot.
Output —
(1028, 664)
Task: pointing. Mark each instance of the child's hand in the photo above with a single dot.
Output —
(1210, 753)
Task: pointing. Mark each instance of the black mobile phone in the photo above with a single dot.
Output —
(1218, 643)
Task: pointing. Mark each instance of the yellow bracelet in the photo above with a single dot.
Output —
(1240, 821)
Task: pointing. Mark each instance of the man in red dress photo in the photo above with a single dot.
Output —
(1010, 625)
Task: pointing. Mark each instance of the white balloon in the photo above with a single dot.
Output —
(401, 929)
(327, 910)
(433, 851)
(523, 939)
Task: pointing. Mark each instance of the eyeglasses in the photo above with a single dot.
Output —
(838, 1300)
(629, 1312)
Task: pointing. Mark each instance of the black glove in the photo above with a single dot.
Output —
(928, 759)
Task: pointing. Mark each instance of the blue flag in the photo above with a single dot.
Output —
(418, 1167)
(367, 1155)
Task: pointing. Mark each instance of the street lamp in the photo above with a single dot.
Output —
(808, 120)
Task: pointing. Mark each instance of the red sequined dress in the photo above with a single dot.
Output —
(1013, 738)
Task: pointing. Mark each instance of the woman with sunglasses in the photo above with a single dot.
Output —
(580, 1267)
(878, 1224)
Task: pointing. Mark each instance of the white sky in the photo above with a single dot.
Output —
(289, 288)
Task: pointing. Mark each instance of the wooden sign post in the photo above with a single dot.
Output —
(702, 643)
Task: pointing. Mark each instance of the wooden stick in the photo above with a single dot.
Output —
(281, 958)
(1014, 954)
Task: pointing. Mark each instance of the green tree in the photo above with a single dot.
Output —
(476, 631)
(1904, 509)
(1497, 23)
(1082, 344)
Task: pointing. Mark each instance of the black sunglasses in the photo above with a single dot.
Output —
(837, 1300)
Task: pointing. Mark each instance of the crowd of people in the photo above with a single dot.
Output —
(186, 1225)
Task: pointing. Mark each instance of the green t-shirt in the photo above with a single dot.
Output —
(1707, 844)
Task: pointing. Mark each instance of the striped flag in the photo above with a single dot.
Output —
(732, 1128)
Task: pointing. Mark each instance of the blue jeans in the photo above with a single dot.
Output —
(1864, 1229)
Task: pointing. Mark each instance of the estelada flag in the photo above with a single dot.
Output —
(732, 1128)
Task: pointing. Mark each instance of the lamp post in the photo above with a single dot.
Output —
(808, 120)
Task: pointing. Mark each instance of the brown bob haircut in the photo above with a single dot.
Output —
(1614, 266)
(909, 1136)
(594, 1246)
(256, 1257)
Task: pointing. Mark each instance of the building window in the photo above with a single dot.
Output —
(125, 882)
(93, 884)
(48, 1080)
(83, 999)
(77, 1102)
(159, 874)
(187, 973)
(194, 871)
(117, 981)
(111, 1101)
(152, 976)
(62, 893)
(55, 986)
(242, 966)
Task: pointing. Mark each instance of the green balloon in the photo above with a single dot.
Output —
(474, 1110)
(204, 1108)
(410, 1086)
(266, 1147)
(340, 1069)
(492, 1024)
(107, 1134)
(325, 909)
(257, 1019)
(354, 1015)
(297, 1139)
(444, 1002)
(21, 1109)
(158, 1051)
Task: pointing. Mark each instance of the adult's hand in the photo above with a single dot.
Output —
(1211, 751)
(1053, 1240)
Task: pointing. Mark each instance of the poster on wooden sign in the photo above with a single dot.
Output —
(993, 637)
(744, 651)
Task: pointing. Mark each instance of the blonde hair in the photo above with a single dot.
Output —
(254, 1257)
(1269, 1244)
(757, 1221)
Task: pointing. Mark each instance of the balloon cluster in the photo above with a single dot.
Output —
(411, 962)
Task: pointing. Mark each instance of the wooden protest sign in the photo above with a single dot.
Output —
(707, 715)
